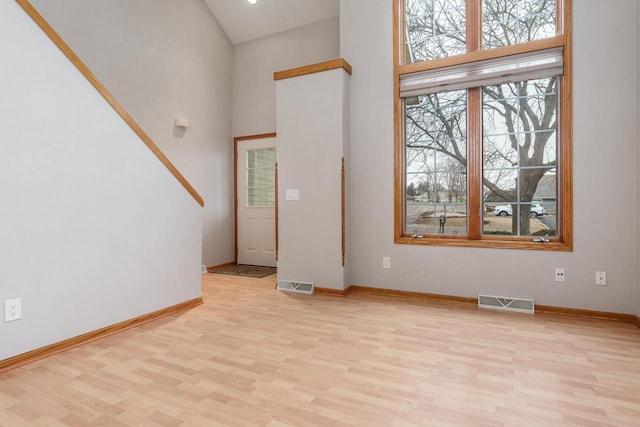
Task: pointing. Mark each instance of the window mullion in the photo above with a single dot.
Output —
(474, 25)
(474, 128)
(474, 163)
(560, 16)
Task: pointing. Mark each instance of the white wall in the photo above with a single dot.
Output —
(254, 62)
(94, 229)
(605, 174)
(162, 58)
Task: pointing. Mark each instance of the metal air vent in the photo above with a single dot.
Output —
(299, 287)
(521, 305)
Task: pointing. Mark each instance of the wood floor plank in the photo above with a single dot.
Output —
(253, 356)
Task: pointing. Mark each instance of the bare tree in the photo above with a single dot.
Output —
(530, 122)
(519, 118)
(411, 190)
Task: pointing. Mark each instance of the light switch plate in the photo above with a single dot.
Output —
(293, 194)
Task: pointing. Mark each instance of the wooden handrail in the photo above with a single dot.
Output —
(77, 62)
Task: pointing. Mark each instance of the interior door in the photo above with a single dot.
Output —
(256, 203)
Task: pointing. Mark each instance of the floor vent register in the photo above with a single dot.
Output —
(520, 305)
(298, 287)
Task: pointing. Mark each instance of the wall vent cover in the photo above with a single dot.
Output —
(299, 287)
(521, 305)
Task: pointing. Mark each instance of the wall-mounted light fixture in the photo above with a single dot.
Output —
(181, 122)
(253, 1)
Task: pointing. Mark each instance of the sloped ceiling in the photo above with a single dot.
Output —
(242, 21)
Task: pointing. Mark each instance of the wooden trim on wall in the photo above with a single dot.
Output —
(343, 212)
(313, 68)
(333, 292)
(399, 207)
(75, 60)
(413, 294)
(257, 136)
(539, 309)
(226, 264)
(277, 212)
(50, 350)
(235, 188)
(565, 220)
(593, 314)
(235, 199)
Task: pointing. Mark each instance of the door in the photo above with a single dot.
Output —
(256, 201)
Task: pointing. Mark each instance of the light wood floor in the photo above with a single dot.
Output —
(252, 356)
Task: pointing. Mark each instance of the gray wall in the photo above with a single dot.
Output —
(162, 58)
(311, 144)
(605, 174)
(94, 230)
(254, 62)
(638, 153)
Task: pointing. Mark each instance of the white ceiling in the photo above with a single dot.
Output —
(242, 21)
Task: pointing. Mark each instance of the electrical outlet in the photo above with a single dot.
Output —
(601, 278)
(386, 262)
(559, 274)
(12, 310)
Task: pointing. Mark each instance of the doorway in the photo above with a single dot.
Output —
(255, 182)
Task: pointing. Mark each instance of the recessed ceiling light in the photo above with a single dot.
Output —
(253, 1)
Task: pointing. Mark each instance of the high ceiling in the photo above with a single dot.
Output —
(242, 21)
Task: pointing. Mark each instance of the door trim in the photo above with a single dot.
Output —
(235, 189)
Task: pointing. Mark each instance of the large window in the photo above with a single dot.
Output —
(483, 123)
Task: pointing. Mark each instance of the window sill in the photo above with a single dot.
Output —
(485, 243)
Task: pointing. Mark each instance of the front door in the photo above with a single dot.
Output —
(256, 192)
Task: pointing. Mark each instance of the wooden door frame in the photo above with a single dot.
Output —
(235, 189)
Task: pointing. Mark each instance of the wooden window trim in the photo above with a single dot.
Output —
(564, 240)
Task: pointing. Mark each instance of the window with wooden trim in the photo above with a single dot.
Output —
(483, 123)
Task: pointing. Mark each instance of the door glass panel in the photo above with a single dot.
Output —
(260, 173)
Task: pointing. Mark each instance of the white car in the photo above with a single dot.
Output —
(506, 210)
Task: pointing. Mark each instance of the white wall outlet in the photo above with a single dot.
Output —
(559, 274)
(601, 278)
(386, 262)
(12, 310)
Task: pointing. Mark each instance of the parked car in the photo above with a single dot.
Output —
(506, 210)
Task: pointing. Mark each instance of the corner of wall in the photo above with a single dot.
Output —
(637, 85)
